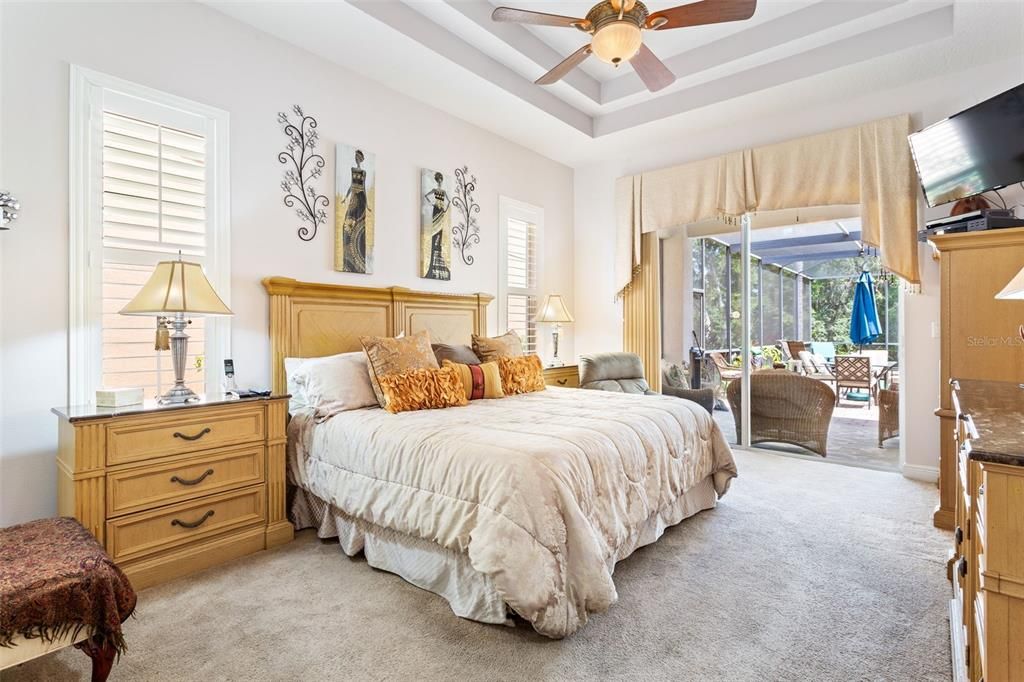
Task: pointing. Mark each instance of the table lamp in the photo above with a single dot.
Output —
(554, 311)
(176, 288)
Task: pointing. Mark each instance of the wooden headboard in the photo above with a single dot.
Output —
(310, 320)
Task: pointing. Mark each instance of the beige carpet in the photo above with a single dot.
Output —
(805, 571)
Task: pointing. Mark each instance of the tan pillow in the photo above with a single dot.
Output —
(489, 348)
(521, 375)
(392, 355)
(422, 389)
(479, 381)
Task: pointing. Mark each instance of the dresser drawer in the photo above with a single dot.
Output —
(145, 533)
(142, 488)
(181, 432)
(567, 377)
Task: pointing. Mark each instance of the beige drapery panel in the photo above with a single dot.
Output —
(641, 304)
(869, 165)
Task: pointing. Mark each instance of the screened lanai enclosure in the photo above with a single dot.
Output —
(815, 391)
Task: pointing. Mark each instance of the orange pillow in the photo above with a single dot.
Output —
(387, 355)
(422, 389)
(479, 381)
(521, 375)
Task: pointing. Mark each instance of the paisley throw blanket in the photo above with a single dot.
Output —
(544, 491)
(56, 580)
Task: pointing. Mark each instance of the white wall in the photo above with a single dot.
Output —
(195, 52)
(747, 122)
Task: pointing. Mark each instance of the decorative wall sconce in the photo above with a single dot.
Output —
(8, 209)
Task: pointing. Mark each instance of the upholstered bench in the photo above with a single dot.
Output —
(57, 588)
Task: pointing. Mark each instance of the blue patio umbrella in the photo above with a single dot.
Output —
(864, 325)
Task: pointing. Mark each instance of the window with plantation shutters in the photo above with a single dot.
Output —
(521, 281)
(149, 182)
(154, 207)
(519, 268)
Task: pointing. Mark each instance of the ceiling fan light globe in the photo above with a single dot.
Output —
(616, 42)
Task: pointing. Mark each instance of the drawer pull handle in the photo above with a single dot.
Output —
(959, 535)
(179, 434)
(192, 524)
(562, 382)
(962, 567)
(194, 481)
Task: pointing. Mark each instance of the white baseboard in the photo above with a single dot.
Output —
(918, 472)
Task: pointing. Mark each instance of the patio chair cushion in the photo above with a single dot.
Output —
(825, 349)
(618, 372)
(813, 364)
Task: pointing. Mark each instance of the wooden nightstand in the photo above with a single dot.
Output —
(169, 490)
(567, 376)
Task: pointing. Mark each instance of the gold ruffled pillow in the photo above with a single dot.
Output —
(478, 381)
(489, 348)
(387, 355)
(422, 389)
(521, 375)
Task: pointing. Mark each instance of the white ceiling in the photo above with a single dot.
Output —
(450, 54)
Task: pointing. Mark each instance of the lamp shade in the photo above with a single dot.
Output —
(553, 310)
(1015, 289)
(176, 287)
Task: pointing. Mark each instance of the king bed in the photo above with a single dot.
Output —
(521, 504)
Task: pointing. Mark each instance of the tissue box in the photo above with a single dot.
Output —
(119, 397)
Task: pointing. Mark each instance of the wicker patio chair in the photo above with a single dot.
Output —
(786, 408)
(727, 371)
(888, 413)
(854, 372)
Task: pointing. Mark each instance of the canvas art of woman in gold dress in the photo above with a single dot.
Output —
(356, 225)
(435, 243)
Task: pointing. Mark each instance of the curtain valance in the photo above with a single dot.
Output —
(868, 164)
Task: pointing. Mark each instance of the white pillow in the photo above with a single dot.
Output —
(296, 384)
(808, 362)
(335, 383)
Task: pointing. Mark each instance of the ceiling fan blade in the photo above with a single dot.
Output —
(701, 13)
(652, 71)
(524, 16)
(565, 66)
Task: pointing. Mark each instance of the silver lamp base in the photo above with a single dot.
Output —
(179, 393)
(556, 361)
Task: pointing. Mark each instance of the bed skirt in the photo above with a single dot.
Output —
(449, 573)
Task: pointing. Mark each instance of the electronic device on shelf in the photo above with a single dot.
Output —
(987, 219)
(976, 151)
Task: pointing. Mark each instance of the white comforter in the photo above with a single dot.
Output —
(544, 491)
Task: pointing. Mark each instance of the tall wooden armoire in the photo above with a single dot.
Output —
(980, 338)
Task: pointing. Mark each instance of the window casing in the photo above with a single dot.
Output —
(519, 269)
(148, 179)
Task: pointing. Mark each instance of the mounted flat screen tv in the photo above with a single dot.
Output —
(975, 151)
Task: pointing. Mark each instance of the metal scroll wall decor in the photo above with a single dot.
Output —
(466, 231)
(303, 167)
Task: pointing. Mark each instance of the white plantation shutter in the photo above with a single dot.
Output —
(153, 206)
(521, 281)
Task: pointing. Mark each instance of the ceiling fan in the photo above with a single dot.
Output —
(616, 27)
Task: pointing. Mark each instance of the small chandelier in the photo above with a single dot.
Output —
(8, 209)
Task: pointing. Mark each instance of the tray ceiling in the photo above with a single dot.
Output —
(450, 54)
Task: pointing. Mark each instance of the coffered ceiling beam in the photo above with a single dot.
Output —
(526, 43)
(895, 37)
(413, 25)
(794, 26)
